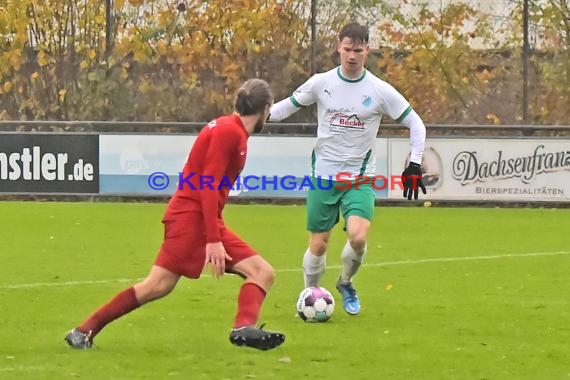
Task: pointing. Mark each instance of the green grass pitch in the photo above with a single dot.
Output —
(460, 293)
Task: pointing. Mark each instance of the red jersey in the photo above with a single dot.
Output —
(215, 160)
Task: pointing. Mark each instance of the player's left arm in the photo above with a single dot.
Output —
(398, 108)
(412, 175)
(417, 133)
(222, 149)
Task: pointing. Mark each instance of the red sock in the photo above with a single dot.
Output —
(250, 298)
(121, 304)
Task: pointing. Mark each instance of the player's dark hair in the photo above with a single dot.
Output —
(356, 32)
(253, 96)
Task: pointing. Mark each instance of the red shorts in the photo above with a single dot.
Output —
(183, 249)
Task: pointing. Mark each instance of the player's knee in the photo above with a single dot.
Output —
(150, 290)
(357, 240)
(269, 276)
(163, 288)
(318, 247)
(259, 272)
(266, 275)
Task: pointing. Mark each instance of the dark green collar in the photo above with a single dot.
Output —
(339, 72)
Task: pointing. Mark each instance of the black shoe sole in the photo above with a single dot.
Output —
(264, 343)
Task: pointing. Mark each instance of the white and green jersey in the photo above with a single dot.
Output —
(349, 115)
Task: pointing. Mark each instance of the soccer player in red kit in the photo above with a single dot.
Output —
(195, 234)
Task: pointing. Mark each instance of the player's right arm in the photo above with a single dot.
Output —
(302, 97)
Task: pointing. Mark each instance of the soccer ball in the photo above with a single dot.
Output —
(315, 304)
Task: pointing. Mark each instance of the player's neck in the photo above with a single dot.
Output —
(249, 122)
(352, 75)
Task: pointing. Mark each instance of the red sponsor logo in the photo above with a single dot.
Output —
(346, 181)
(348, 121)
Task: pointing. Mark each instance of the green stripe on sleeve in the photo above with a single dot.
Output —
(404, 114)
(295, 102)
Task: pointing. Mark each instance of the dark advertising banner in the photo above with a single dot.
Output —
(49, 163)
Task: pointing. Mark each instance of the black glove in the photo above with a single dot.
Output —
(412, 180)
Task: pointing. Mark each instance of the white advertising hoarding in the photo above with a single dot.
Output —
(141, 164)
(490, 169)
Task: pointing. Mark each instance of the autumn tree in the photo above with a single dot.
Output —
(430, 58)
(170, 60)
(52, 64)
(194, 55)
(183, 60)
(550, 58)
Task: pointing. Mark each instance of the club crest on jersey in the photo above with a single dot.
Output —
(342, 120)
(366, 100)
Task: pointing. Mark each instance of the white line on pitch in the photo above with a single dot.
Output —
(445, 259)
(382, 264)
(67, 283)
(21, 368)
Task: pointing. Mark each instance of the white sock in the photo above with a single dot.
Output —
(351, 261)
(313, 268)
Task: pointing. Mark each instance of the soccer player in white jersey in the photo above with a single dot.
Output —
(350, 104)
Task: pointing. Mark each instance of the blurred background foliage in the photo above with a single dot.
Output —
(133, 60)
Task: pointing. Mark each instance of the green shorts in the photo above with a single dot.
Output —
(326, 201)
